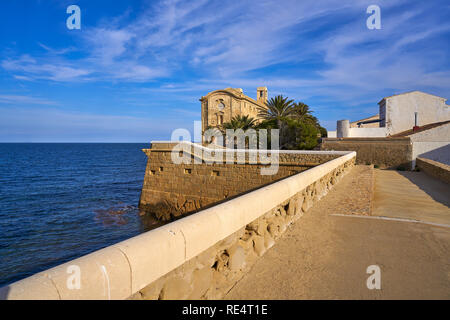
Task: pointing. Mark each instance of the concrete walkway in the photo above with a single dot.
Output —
(411, 195)
(323, 256)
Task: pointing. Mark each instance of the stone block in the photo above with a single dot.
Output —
(201, 282)
(176, 289)
(259, 245)
(236, 258)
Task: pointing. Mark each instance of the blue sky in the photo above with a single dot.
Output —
(136, 69)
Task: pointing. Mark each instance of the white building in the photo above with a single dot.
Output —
(422, 117)
(397, 113)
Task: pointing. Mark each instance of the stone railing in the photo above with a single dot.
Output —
(199, 256)
(436, 169)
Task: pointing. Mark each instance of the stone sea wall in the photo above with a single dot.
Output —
(171, 190)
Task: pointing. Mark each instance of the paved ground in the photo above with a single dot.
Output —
(323, 256)
(411, 195)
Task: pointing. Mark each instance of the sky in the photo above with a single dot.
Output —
(136, 70)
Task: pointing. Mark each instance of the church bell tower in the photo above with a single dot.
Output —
(261, 94)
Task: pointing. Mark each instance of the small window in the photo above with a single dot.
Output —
(221, 106)
(161, 169)
(187, 171)
(215, 173)
(152, 172)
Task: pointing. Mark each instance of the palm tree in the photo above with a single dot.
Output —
(278, 109)
(302, 113)
(240, 122)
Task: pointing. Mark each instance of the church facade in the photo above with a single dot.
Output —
(220, 106)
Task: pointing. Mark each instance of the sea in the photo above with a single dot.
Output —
(60, 201)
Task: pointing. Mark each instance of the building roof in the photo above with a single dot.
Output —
(376, 116)
(420, 129)
(409, 92)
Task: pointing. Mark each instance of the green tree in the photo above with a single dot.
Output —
(299, 129)
(303, 113)
(323, 132)
(240, 122)
(278, 109)
(267, 125)
(301, 135)
(309, 136)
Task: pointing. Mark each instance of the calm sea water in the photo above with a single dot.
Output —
(61, 201)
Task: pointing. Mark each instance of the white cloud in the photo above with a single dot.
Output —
(24, 100)
(31, 68)
(229, 42)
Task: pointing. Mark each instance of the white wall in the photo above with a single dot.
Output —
(432, 144)
(437, 151)
(331, 134)
(400, 111)
(368, 132)
(344, 131)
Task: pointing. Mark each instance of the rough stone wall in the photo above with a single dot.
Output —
(171, 190)
(383, 152)
(435, 169)
(215, 271)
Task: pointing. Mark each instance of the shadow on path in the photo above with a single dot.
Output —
(435, 188)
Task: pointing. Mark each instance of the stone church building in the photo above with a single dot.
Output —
(220, 106)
